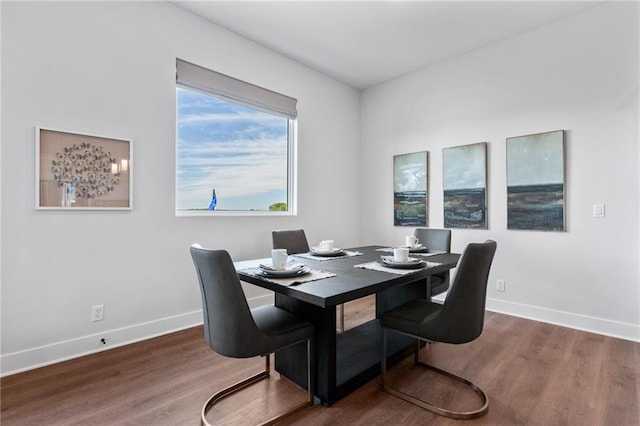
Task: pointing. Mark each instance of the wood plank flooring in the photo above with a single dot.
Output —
(534, 374)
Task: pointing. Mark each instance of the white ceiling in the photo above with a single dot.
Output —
(364, 43)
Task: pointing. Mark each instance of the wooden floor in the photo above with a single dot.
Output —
(534, 374)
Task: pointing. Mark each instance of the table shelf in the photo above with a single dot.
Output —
(358, 353)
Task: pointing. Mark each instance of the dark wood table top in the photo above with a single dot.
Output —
(349, 283)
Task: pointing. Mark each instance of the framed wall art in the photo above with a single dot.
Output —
(79, 171)
(536, 182)
(410, 179)
(465, 186)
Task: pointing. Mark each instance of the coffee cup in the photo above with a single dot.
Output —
(279, 258)
(411, 241)
(326, 245)
(401, 254)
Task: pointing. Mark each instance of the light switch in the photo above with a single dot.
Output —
(598, 210)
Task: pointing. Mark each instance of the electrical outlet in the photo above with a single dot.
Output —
(97, 313)
(501, 285)
(598, 210)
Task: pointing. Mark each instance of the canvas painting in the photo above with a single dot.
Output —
(410, 176)
(535, 182)
(465, 186)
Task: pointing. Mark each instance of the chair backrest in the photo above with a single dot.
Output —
(229, 327)
(434, 239)
(463, 310)
(294, 240)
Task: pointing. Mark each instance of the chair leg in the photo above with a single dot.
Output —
(423, 404)
(256, 378)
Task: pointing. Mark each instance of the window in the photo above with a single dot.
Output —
(235, 146)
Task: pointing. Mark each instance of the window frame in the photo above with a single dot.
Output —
(292, 141)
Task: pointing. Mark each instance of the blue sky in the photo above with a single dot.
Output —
(239, 151)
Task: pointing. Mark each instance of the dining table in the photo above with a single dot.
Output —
(347, 360)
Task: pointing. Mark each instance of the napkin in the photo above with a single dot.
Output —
(313, 275)
(323, 258)
(290, 266)
(376, 266)
(431, 253)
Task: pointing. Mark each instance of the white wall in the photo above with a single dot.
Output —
(579, 74)
(109, 69)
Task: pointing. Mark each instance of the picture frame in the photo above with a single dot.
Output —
(465, 186)
(536, 183)
(410, 183)
(81, 171)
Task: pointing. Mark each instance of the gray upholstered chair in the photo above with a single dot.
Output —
(459, 320)
(234, 330)
(440, 240)
(295, 241)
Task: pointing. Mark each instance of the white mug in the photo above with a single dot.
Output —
(411, 241)
(279, 258)
(401, 254)
(326, 245)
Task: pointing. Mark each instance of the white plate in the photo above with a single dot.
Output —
(285, 273)
(323, 252)
(290, 266)
(412, 263)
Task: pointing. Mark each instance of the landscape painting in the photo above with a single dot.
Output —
(410, 176)
(465, 186)
(535, 182)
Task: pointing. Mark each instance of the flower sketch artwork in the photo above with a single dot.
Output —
(81, 171)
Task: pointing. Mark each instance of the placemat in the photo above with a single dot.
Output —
(432, 253)
(376, 266)
(313, 275)
(321, 258)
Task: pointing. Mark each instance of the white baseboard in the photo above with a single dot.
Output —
(41, 356)
(621, 330)
(29, 359)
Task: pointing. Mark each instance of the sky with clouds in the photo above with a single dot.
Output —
(236, 150)
(535, 159)
(464, 166)
(410, 172)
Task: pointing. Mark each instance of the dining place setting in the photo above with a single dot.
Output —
(326, 250)
(287, 271)
(401, 260)
(415, 247)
